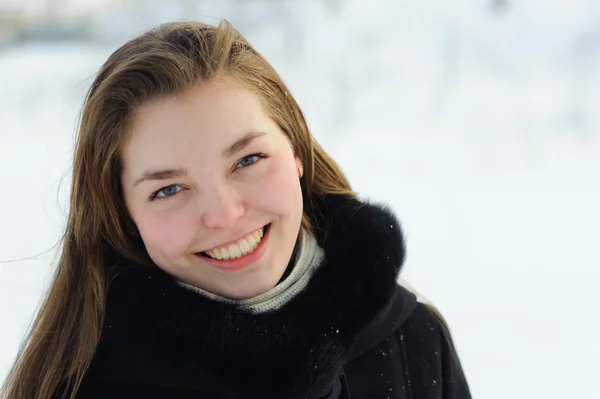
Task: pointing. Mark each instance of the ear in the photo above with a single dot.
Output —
(299, 167)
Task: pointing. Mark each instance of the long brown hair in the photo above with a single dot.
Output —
(162, 62)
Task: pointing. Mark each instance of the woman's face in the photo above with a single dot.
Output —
(208, 175)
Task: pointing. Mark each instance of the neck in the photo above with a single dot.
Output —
(292, 262)
(306, 258)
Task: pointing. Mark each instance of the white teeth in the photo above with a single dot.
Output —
(244, 247)
(241, 248)
(224, 253)
(234, 251)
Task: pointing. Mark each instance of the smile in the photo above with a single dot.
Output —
(239, 249)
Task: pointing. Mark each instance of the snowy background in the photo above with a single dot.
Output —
(478, 121)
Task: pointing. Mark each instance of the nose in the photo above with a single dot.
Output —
(222, 208)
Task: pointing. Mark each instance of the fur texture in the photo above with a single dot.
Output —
(157, 332)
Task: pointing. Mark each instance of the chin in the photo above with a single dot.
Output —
(249, 289)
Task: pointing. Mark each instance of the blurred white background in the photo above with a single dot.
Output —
(476, 120)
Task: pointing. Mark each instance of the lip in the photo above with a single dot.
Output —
(231, 265)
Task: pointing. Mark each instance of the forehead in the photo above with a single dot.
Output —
(221, 106)
(202, 120)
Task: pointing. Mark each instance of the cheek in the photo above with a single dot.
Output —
(279, 190)
(166, 231)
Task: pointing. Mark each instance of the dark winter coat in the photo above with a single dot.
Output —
(352, 333)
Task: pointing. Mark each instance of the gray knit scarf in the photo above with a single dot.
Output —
(309, 257)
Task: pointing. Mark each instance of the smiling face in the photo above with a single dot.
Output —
(204, 172)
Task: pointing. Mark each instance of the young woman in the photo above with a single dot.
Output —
(214, 250)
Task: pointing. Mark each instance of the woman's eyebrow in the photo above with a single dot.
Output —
(165, 174)
(160, 175)
(241, 143)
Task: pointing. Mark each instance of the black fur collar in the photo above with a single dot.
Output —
(158, 332)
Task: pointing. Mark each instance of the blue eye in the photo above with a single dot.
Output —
(249, 160)
(166, 192)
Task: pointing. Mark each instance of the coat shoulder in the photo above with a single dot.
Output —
(101, 389)
(416, 359)
(430, 355)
